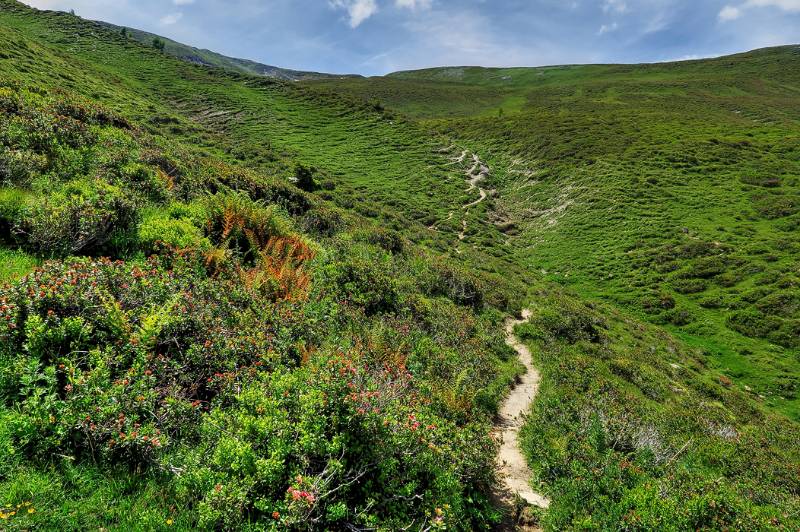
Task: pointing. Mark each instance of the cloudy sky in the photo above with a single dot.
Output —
(380, 36)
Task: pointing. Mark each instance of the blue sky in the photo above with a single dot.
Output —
(379, 36)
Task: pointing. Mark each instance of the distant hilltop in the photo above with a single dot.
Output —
(213, 59)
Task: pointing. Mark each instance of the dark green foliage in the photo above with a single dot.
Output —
(366, 281)
(127, 369)
(158, 44)
(305, 178)
(78, 218)
(458, 284)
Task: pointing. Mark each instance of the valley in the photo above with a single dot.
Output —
(233, 299)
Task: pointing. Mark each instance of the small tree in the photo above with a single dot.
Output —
(124, 32)
(305, 177)
(158, 44)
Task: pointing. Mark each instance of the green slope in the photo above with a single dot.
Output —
(213, 59)
(666, 193)
(200, 344)
(669, 189)
(636, 185)
(254, 119)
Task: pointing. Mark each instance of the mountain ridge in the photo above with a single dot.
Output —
(205, 57)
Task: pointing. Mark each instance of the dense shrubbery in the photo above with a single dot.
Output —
(143, 364)
(78, 218)
(255, 375)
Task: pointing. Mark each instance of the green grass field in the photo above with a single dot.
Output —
(279, 344)
(670, 190)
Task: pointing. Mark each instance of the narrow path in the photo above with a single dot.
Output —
(514, 473)
(476, 174)
(479, 200)
(479, 172)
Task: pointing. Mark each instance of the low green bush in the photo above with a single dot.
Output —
(78, 218)
(365, 280)
(172, 230)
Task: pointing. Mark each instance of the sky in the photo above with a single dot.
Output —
(374, 37)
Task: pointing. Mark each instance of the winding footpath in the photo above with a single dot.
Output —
(478, 173)
(514, 473)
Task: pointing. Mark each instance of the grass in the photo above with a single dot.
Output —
(629, 183)
(14, 264)
(634, 429)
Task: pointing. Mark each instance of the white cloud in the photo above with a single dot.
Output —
(607, 28)
(414, 4)
(729, 13)
(357, 10)
(169, 20)
(615, 6)
(785, 5)
(182, 2)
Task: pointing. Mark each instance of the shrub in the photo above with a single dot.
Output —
(658, 302)
(689, 286)
(565, 320)
(177, 233)
(777, 205)
(788, 335)
(366, 281)
(387, 239)
(79, 218)
(785, 303)
(324, 221)
(304, 178)
(456, 283)
(151, 183)
(753, 323)
(679, 317)
(19, 167)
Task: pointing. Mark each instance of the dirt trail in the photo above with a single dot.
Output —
(514, 473)
(479, 172)
(476, 174)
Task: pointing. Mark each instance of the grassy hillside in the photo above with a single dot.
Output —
(268, 125)
(632, 431)
(200, 343)
(671, 190)
(213, 59)
(664, 193)
(234, 302)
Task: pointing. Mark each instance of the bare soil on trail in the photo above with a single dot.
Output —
(513, 473)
